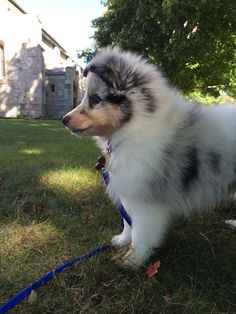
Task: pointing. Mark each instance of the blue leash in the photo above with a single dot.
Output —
(49, 276)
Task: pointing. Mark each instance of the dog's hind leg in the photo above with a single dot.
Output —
(123, 238)
(149, 225)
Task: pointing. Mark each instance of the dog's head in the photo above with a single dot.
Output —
(117, 89)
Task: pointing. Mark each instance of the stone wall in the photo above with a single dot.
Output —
(22, 92)
(63, 91)
(22, 87)
(28, 50)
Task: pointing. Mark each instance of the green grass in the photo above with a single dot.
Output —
(53, 208)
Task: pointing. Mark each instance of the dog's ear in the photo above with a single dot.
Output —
(86, 70)
(109, 73)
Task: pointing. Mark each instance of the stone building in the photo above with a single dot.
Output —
(37, 76)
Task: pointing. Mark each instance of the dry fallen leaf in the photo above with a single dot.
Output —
(168, 298)
(32, 297)
(88, 218)
(153, 269)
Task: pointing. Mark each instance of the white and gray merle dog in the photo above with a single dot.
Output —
(168, 156)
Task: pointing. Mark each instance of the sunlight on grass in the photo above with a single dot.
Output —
(16, 239)
(40, 124)
(74, 181)
(32, 151)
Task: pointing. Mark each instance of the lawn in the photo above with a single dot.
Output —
(53, 208)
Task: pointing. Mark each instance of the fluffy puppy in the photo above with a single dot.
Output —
(168, 156)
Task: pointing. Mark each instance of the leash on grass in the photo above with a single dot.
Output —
(49, 276)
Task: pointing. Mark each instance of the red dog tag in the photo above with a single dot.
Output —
(101, 163)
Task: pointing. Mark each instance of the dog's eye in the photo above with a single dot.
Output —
(116, 99)
(94, 100)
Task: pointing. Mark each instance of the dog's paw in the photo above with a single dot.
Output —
(134, 259)
(120, 240)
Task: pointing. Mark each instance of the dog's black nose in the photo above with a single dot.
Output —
(66, 119)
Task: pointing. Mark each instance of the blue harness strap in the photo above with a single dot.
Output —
(119, 206)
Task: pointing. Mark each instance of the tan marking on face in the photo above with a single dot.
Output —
(98, 121)
(79, 120)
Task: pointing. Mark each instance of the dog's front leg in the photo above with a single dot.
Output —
(123, 238)
(149, 225)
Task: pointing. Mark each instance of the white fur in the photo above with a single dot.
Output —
(139, 146)
(176, 160)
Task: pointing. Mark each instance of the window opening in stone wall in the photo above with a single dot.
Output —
(53, 88)
(2, 61)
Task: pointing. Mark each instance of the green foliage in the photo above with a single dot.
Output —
(208, 99)
(192, 41)
(87, 54)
